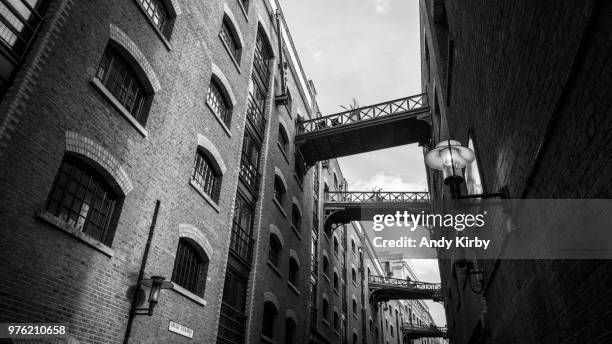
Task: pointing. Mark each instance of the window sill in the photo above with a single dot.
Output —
(207, 198)
(326, 277)
(336, 333)
(244, 11)
(280, 207)
(300, 184)
(355, 284)
(157, 31)
(282, 150)
(75, 233)
(337, 291)
(229, 52)
(355, 315)
(325, 322)
(275, 269)
(191, 296)
(128, 116)
(294, 288)
(267, 339)
(297, 233)
(223, 125)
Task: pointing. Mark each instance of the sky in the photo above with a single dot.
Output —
(367, 50)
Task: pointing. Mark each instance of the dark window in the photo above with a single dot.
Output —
(294, 270)
(354, 306)
(335, 244)
(355, 339)
(279, 190)
(296, 218)
(353, 246)
(300, 169)
(259, 86)
(83, 199)
(336, 281)
(335, 182)
(290, 327)
(190, 268)
(391, 330)
(354, 275)
(229, 36)
(325, 265)
(325, 309)
(269, 318)
(336, 321)
(232, 320)
(274, 250)
(158, 14)
(218, 103)
(121, 80)
(283, 140)
(249, 163)
(205, 176)
(241, 243)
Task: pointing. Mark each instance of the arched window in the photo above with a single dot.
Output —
(269, 317)
(290, 327)
(325, 313)
(296, 218)
(336, 322)
(206, 176)
(158, 15)
(336, 281)
(83, 199)
(354, 275)
(229, 36)
(218, 102)
(274, 250)
(283, 139)
(335, 182)
(190, 267)
(355, 338)
(336, 245)
(391, 331)
(355, 310)
(279, 190)
(326, 266)
(353, 246)
(294, 271)
(120, 79)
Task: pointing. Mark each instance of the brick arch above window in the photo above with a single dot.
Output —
(81, 145)
(280, 175)
(220, 77)
(144, 70)
(283, 124)
(294, 255)
(173, 7)
(274, 230)
(193, 233)
(265, 30)
(296, 203)
(230, 15)
(270, 297)
(290, 314)
(212, 152)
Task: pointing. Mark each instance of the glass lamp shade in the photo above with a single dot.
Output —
(450, 157)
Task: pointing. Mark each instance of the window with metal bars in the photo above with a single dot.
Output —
(274, 250)
(241, 242)
(218, 103)
(269, 318)
(294, 271)
(228, 35)
(296, 218)
(157, 13)
(283, 139)
(206, 176)
(123, 83)
(232, 320)
(190, 267)
(20, 20)
(84, 200)
(279, 190)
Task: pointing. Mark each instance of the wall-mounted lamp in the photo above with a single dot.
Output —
(450, 157)
(156, 283)
(470, 269)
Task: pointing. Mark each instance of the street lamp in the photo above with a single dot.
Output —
(450, 157)
(156, 283)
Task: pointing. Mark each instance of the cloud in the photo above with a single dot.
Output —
(382, 6)
(387, 183)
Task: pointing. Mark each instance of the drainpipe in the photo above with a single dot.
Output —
(143, 264)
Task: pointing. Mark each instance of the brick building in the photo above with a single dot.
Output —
(527, 85)
(149, 138)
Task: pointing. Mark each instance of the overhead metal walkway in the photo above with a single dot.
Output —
(384, 125)
(386, 288)
(342, 207)
(413, 331)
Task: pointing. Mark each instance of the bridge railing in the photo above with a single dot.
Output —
(376, 196)
(398, 282)
(422, 328)
(388, 108)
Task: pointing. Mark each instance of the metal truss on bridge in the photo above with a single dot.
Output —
(388, 288)
(403, 121)
(414, 331)
(342, 207)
